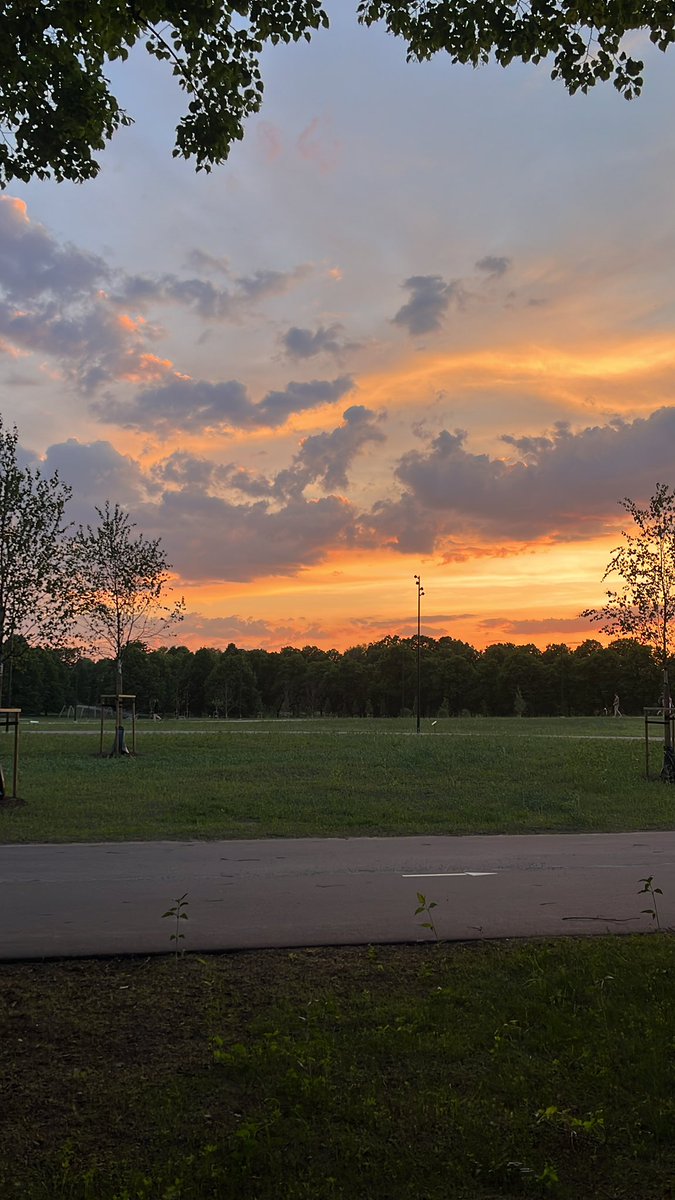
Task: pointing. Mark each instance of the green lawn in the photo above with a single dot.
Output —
(493, 1071)
(429, 1072)
(335, 778)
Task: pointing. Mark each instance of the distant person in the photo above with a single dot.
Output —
(616, 708)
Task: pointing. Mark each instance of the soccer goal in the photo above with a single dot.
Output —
(92, 712)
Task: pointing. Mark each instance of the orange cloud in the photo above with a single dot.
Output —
(526, 364)
(130, 324)
(19, 206)
(148, 368)
(519, 388)
(12, 351)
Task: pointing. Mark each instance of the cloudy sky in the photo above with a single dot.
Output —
(421, 322)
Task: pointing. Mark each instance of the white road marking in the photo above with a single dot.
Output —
(448, 874)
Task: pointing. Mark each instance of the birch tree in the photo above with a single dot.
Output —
(121, 586)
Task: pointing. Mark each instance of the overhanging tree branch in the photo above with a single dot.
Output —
(57, 109)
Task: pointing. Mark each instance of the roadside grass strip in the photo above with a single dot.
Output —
(475, 1071)
(322, 779)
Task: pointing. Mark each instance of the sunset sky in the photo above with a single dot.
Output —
(421, 322)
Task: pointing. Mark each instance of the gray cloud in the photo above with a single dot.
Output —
(206, 536)
(327, 457)
(185, 470)
(303, 343)
(212, 538)
(530, 449)
(224, 522)
(201, 261)
(323, 459)
(262, 284)
(275, 408)
(199, 294)
(493, 265)
(405, 525)
(276, 529)
(562, 486)
(32, 264)
(91, 343)
(430, 297)
(207, 300)
(60, 301)
(248, 483)
(197, 404)
(97, 472)
(538, 626)
(53, 302)
(187, 404)
(249, 631)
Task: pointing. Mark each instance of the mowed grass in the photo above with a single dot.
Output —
(300, 779)
(492, 1071)
(428, 1072)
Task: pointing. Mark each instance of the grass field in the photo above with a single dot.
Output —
(429, 1072)
(322, 778)
(492, 1071)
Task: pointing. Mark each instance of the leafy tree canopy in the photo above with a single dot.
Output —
(33, 584)
(119, 580)
(584, 36)
(643, 605)
(57, 108)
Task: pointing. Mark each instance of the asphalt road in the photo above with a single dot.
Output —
(108, 898)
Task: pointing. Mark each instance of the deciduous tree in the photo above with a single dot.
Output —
(643, 607)
(584, 37)
(230, 688)
(33, 585)
(120, 585)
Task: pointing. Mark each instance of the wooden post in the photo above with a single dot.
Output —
(11, 716)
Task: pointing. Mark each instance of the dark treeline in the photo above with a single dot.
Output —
(377, 680)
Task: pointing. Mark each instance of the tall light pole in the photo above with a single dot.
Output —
(420, 593)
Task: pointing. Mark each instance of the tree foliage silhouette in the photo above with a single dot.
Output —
(57, 108)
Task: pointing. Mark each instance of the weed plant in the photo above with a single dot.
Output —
(177, 914)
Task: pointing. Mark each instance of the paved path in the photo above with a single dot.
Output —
(108, 898)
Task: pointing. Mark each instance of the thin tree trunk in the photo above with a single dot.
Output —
(120, 743)
(668, 769)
